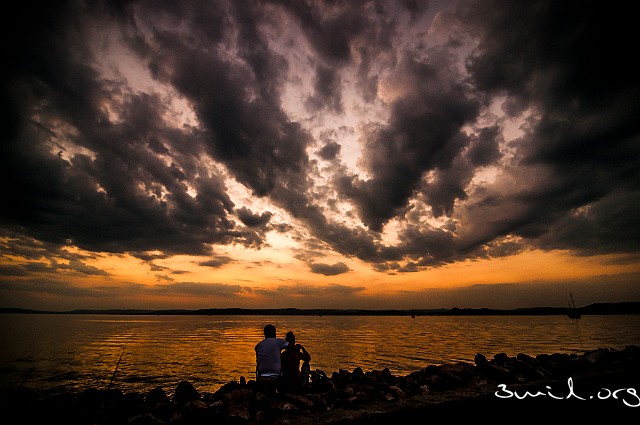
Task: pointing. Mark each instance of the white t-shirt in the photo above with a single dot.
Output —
(268, 356)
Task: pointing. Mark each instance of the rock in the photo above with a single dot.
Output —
(198, 404)
(156, 397)
(225, 389)
(239, 394)
(146, 419)
(300, 401)
(534, 364)
(240, 410)
(345, 395)
(459, 373)
(97, 405)
(480, 359)
(525, 370)
(357, 375)
(397, 392)
(501, 359)
(493, 371)
(597, 357)
(352, 400)
(320, 401)
(287, 406)
(185, 392)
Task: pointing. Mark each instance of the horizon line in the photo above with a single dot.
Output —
(622, 307)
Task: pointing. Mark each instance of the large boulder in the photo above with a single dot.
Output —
(185, 392)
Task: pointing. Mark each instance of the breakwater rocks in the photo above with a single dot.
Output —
(358, 396)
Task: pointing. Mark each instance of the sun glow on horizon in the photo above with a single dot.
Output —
(240, 277)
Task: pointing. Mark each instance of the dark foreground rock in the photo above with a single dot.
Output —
(546, 387)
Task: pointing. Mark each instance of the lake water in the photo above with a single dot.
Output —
(59, 353)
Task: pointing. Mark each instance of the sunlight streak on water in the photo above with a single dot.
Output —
(74, 352)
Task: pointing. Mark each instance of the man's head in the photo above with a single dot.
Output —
(269, 331)
(290, 338)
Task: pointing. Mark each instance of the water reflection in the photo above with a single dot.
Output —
(62, 352)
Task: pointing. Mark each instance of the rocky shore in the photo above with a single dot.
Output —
(502, 388)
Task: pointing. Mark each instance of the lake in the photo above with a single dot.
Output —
(55, 353)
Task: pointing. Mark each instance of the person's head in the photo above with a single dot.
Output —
(269, 331)
(290, 338)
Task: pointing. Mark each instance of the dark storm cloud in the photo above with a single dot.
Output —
(329, 33)
(583, 147)
(484, 150)
(123, 199)
(329, 150)
(416, 7)
(236, 101)
(611, 224)
(423, 134)
(250, 219)
(448, 185)
(558, 57)
(341, 32)
(121, 196)
(327, 91)
(118, 195)
(87, 160)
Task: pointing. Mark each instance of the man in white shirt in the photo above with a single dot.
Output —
(268, 363)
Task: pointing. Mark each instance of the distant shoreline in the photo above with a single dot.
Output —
(591, 309)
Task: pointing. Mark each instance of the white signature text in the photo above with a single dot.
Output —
(628, 396)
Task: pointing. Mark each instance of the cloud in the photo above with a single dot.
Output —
(13, 270)
(328, 269)
(250, 219)
(577, 150)
(80, 267)
(64, 290)
(310, 291)
(329, 150)
(506, 295)
(423, 134)
(217, 261)
(481, 128)
(327, 91)
(198, 289)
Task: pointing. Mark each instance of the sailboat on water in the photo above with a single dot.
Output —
(573, 312)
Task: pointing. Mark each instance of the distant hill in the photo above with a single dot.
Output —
(592, 309)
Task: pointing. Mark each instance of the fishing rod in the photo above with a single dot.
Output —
(116, 369)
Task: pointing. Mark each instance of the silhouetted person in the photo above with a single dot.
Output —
(292, 379)
(268, 363)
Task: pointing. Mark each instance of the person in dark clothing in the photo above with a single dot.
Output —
(292, 379)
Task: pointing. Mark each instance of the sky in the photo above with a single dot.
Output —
(319, 154)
